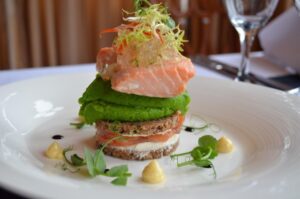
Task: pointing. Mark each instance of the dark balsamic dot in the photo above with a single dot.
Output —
(189, 129)
(57, 137)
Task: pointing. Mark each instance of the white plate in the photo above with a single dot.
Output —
(264, 125)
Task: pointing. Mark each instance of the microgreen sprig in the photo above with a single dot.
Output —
(152, 19)
(77, 125)
(96, 164)
(138, 4)
(75, 160)
(150, 26)
(201, 155)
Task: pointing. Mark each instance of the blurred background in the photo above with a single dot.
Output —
(35, 33)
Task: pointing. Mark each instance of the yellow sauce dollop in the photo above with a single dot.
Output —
(224, 145)
(153, 173)
(54, 151)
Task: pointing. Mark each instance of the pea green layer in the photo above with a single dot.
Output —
(100, 102)
(100, 110)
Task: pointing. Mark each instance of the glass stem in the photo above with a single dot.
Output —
(246, 40)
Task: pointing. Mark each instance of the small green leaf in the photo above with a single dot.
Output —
(137, 4)
(65, 151)
(77, 161)
(117, 171)
(201, 153)
(206, 152)
(207, 141)
(96, 165)
(196, 153)
(99, 162)
(89, 162)
(213, 154)
(202, 163)
(77, 125)
(120, 181)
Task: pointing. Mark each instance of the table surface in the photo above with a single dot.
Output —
(22, 74)
(259, 65)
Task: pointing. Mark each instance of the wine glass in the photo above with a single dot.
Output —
(247, 16)
(297, 5)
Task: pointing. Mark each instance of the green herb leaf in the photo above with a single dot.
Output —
(208, 141)
(206, 164)
(206, 152)
(89, 162)
(117, 171)
(201, 155)
(120, 181)
(77, 125)
(70, 148)
(213, 154)
(99, 162)
(202, 163)
(96, 165)
(138, 4)
(77, 161)
(196, 153)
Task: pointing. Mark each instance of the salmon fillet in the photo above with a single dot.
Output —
(106, 62)
(165, 79)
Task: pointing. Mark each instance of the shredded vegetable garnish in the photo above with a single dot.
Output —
(148, 30)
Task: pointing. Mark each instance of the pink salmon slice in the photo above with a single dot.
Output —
(166, 79)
